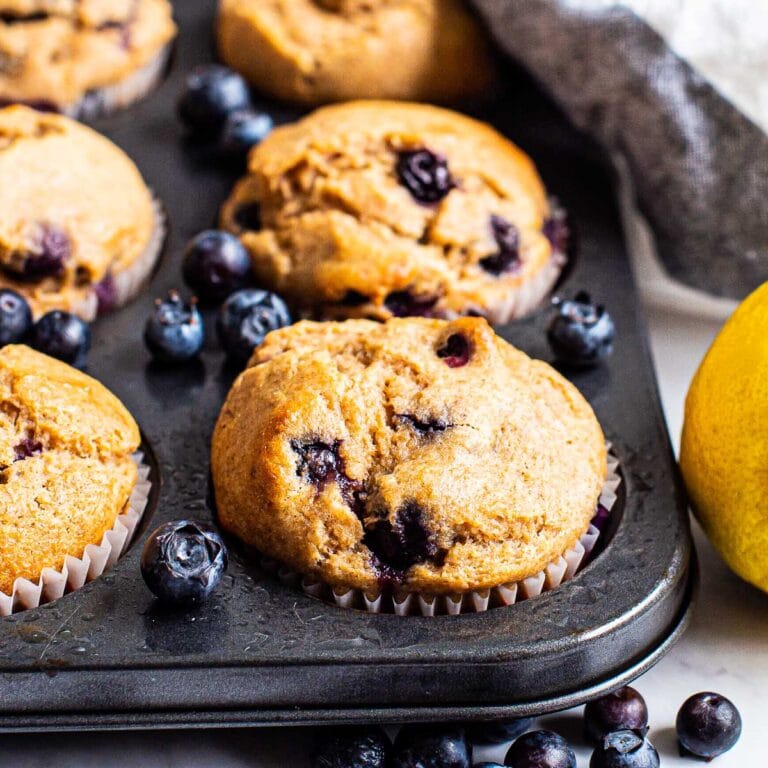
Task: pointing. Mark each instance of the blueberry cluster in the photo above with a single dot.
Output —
(59, 334)
(616, 725)
(216, 107)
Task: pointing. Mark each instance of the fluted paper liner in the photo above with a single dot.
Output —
(404, 603)
(92, 563)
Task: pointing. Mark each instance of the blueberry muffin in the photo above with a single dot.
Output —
(80, 230)
(425, 455)
(382, 209)
(316, 51)
(82, 57)
(66, 471)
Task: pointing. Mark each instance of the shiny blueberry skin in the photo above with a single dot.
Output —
(621, 710)
(15, 317)
(183, 562)
(581, 333)
(215, 265)
(541, 749)
(211, 93)
(425, 175)
(498, 733)
(246, 317)
(243, 130)
(364, 747)
(708, 725)
(425, 746)
(174, 331)
(625, 749)
(64, 336)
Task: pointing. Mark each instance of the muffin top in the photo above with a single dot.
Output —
(316, 51)
(73, 209)
(381, 209)
(422, 454)
(65, 462)
(56, 51)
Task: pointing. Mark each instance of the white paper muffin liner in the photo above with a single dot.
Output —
(92, 563)
(104, 101)
(552, 576)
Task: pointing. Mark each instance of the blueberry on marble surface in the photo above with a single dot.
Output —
(621, 710)
(541, 749)
(354, 747)
(215, 265)
(64, 336)
(174, 331)
(15, 317)
(581, 333)
(708, 725)
(430, 746)
(625, 749)
(183, 561)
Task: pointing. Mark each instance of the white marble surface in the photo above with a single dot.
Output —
(726, 649)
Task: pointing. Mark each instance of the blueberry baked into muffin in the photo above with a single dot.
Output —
(66, 470)
(82, 57)
(316, 51)
(80, 230)
(382, 209)
(422, 455)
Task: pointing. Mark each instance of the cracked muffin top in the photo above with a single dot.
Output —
(316, 51)
(419, 454)
(74, 210)
(66, 471)
(382, 209)
(54, 52)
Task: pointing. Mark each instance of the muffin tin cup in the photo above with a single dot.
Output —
(95, 560)
(559, 571)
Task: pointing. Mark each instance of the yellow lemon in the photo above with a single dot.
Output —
(724, 452)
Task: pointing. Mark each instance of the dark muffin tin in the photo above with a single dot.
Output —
(260, 652)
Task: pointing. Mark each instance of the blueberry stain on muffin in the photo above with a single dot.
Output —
(507, 258)
(27, 448)
(425, 174)
(409, 304)
(422, 426)
(456, 351)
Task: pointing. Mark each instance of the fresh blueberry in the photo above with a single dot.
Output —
(625, 749)
(211, 93)
(498, 733)
(426, 746)
(708, 725)
(246, 317)
(63, 335)
(581, 333)
(541, 749)
(621, 710)
(364, 747)
(15, 317)
(183, 562)
(425, 175)
(174, 331)
(243, 130)
(216, 264)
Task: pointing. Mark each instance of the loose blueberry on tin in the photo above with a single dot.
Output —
(708, 725)
(541, 749)
(243, 130)
(507, 258)
(363, 747)
(581, 333)
(174, 331)
(425, 175)
(625, 749)
(498, 733)
(456, 351)
(183, 562)
(246, 317)
(215, 265)
(621, 710)
(15, 317)
(64, 336)
(427, 746)
(211, 93)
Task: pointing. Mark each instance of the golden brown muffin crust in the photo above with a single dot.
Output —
(65, 462)
(342, 441)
